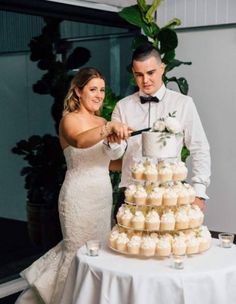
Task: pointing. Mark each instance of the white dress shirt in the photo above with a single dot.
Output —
(129, 110)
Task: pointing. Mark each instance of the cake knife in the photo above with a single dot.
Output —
(139, 131)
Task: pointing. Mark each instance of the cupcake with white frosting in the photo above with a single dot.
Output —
(155, 196)
(126, 218)
(140, 195)
(204, 237)
(196, 216)
(180, 171)
(163, 247)
(167, 221)
(113, 237)
(179, 245)
(122, 241)
(181, 220)
(138, 220)
(133, 246)
(192, 245)
(191, 192)
(150, 172)
(165, 173)
(120, 213)
(183, 196)
(129, 193)
(137, 171)
(148, 246)
(169, 197)
(152, 221)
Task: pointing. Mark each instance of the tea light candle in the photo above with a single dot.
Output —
(93, 247)
(226, 240)
(178, 262)
(226, 243)
(93, 251)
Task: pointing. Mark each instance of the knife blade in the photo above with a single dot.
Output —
(139, 131)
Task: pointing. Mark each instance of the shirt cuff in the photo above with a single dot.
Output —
(200, 190)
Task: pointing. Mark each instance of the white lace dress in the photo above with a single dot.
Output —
(85, 203)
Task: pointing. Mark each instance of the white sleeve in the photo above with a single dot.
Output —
(116, 115)
(113, 150)
(197, 143)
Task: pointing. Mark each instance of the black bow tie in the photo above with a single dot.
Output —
(144, 99)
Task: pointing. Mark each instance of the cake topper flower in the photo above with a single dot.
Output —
(167, 126)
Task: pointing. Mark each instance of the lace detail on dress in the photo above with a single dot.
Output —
(85, 202)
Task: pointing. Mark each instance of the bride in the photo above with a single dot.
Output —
(85, 198)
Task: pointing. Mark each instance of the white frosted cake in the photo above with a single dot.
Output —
(159, 145)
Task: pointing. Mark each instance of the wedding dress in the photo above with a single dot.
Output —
(85, 203)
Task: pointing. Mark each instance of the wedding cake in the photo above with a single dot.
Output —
(159, 217)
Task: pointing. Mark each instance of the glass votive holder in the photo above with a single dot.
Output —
(178, 261)
(93, 247)
(226, 239)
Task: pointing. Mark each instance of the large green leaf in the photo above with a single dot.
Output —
(151, 11)
(175, 63)
(168, 40)
(168, 57)
(137, 41)
(181, 82)
(173, 23)
(132, 15)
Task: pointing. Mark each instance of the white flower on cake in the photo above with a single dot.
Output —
(167, 124)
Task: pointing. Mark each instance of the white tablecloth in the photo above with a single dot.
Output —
(111, 278)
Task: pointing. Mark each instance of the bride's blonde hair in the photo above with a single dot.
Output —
(81, 78)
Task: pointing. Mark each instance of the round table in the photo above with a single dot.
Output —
(112, 278)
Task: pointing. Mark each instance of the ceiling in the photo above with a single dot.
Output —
(103, 12)
(107, 5)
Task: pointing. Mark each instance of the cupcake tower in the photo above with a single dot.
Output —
(158, 217)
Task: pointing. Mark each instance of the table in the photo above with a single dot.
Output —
(111, 278)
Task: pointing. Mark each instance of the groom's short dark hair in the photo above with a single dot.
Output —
(144, 51)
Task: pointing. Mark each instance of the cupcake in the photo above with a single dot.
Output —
(191, 192)
(169, 197)
(121, 242)
(155, 196)
(179, 171)
(138, 220)
(165, 173)
(195, 216)
(179, 245)
(150, 172)
(129, 193)
(192, 245)
(120, 213)
(113, 237)
(137, 171)
(181, 220)
(152, 221)
(133, 246)
(183, 196)
(204, 237)
(148, 246)
(163, 247)
(167, 221)
(126, 218)
(140, 195)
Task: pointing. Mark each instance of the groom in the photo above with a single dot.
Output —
(140, 112)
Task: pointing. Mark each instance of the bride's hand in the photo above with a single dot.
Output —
(120, 131)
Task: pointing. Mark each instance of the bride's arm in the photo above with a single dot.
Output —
(76, 132)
